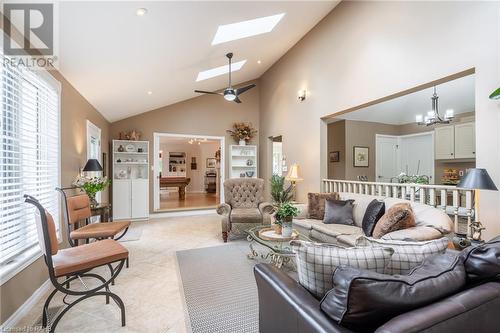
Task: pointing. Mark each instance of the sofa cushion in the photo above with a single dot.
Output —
(338, 212)
(425, 215)
(316, 204)
(414, 234)
(397, 217)
(407, 254)
(373, 213)
(316, 262)
(335, 230)
(482, 262)
(246, 215)
(348, 240)
(307, 224)
(363, 300)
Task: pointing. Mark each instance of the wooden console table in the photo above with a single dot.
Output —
(180, 182)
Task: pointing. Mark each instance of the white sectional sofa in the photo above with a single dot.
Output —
(431, 223)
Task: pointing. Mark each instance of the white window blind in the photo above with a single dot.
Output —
(29, 156)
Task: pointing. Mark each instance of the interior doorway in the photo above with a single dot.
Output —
(277, 156)
(188, 171)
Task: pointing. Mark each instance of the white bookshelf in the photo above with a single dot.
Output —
(243, 161)
(176, 165)
(130, 180)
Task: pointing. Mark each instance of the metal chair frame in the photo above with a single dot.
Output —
(60, 286)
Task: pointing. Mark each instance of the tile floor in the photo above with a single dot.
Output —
(150, 288)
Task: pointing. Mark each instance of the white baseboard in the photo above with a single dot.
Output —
(181, 213)
(14, 319)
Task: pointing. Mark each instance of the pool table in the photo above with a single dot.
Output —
(180, 182)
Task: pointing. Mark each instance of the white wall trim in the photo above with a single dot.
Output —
(27, 306)
(181, 213)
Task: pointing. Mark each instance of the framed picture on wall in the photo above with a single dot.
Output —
(334, 156)
(211, 162)
(360, 156)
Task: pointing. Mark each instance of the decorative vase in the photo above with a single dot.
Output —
(93, 201)
(277, 229)
(243, 143)
(121, 149)
(286, 229)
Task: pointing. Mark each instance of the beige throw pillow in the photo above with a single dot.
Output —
(316, 204)
(397, 217)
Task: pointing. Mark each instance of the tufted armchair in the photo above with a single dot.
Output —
(244, 206)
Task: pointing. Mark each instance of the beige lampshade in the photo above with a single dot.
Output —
(293, 174)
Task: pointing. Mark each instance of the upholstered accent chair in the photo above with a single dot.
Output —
(244, 206)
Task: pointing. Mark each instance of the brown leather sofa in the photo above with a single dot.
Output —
(286, 306)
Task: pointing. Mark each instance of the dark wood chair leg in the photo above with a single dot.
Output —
(224, 236)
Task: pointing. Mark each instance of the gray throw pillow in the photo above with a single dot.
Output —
(339, 212)
(363, 300)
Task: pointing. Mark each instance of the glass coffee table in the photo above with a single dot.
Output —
(279, 251)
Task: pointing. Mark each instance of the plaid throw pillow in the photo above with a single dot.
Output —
(407, 254)
(316, 262)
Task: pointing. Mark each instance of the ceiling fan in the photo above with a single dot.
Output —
(230, 94)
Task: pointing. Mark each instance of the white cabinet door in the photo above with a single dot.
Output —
(121, 200)
(465, 140)
(140, 198)
(445, 142)
(386, 158)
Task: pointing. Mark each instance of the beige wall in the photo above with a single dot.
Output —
(336, 142)
(363, 51)
(75, 110)
(203, 115)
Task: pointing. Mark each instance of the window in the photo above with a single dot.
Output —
(29, 156)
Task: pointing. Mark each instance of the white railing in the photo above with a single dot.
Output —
(454, 201)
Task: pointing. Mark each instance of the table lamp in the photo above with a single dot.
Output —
(476, 179)
(293, 177)
(92, 165)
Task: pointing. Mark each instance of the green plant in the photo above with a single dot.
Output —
(285, 212)
(92, 185)
(278, 192)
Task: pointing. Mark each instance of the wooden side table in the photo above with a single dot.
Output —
(103, 210)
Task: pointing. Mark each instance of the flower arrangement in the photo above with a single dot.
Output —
(92, 185)
(242, 131)
(415, 179)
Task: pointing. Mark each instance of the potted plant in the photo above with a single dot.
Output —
(284, 216)
(278, 192)
(92, 185)
(242, 133)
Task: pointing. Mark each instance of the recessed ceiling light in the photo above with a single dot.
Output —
(150, 93)
(141, 11)
(259, 62)
(209, 73)
(229, 32)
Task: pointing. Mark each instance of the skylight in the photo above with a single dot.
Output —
(233, 31)
(210, 73)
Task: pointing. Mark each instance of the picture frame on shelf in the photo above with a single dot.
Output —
(211, 162)
(334, 156)
(361, 157)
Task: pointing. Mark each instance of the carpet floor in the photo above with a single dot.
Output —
(219, 289)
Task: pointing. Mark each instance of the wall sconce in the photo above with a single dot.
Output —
(302, 95)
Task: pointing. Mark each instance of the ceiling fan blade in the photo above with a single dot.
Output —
(240, 91)
(206, 92)
(237, 100)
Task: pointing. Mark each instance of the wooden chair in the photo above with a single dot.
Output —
(77, 215)
(76, 263)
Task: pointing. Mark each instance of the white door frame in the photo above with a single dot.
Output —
(156, 161)
(380, 136)
(93, 130)
(398, 157)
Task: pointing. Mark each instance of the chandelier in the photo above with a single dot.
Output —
(433, 117)
(197, 140)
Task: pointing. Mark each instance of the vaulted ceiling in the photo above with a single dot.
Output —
(114, 57)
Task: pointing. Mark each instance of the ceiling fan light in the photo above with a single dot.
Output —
(230, 97)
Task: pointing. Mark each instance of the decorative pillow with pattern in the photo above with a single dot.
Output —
(316, 262)
(316, 204)
(397, 217)
(407, 254)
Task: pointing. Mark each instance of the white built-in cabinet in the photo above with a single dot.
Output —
(243, 161)
(455, 141)
(130, 180)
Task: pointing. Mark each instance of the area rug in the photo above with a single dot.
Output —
(219, 289)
